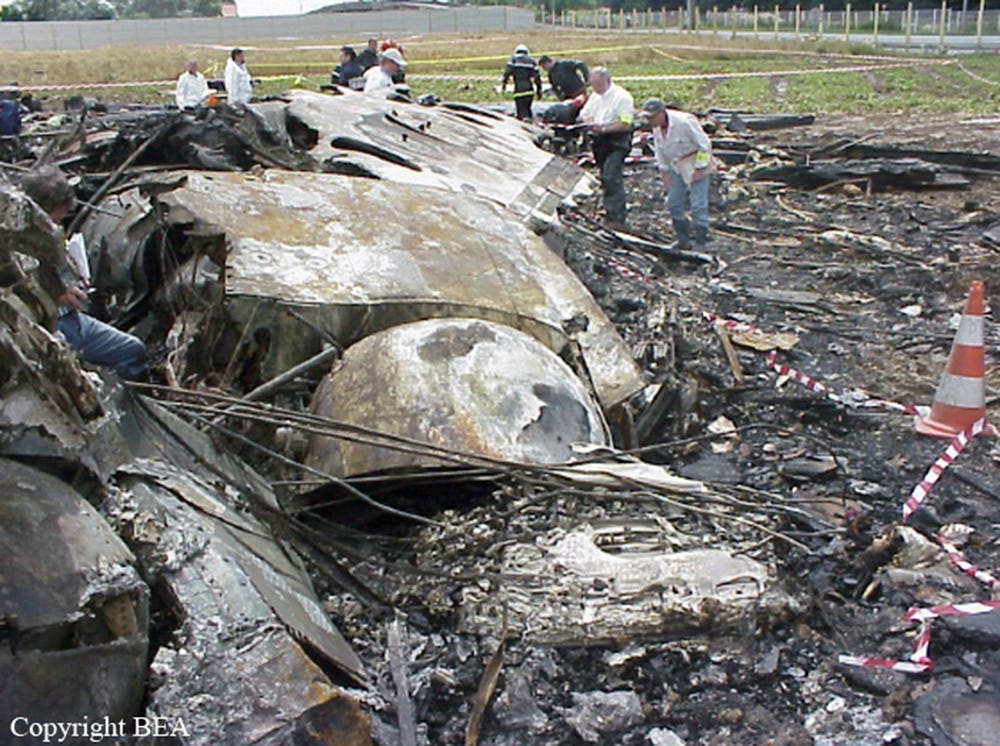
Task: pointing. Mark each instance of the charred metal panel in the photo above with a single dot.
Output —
(73, 610)
(354, 256)
(469, 152)
(619, 582)
(465, 384)
(244, 606)
(201, 520)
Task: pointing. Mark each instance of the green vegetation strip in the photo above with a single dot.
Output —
(653, 68)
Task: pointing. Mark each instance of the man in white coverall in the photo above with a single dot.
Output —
(239, 85)
(192, 89)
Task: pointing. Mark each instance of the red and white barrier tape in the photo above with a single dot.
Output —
(900, 666)
(919, 661)
(854, 399)
(933, 612)
(958, 559)
(957, 445)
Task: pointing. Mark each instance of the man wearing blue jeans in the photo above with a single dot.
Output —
(96, 342)
(684, 159)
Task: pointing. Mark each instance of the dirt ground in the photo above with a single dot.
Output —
(875, 315)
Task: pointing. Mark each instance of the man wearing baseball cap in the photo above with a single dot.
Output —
(379, 79)
(684, 159)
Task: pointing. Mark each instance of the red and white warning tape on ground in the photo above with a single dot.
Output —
(919, 661)
(933, 612)
(855, 399)
(958, 559)
(957, 445)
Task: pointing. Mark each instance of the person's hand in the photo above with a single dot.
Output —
(74, 298)
(699, 174)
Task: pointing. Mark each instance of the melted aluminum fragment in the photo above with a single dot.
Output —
(567, 589)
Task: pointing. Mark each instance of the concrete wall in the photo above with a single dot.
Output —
(230, 31)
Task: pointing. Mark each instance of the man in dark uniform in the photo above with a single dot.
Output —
(568, 77)
(348, 70)
(527, 81)
(369, 55)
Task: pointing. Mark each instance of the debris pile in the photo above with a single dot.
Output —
(342, 478)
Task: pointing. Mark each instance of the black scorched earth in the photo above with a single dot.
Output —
(432, 457)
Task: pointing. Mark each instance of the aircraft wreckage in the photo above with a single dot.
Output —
(403, 256)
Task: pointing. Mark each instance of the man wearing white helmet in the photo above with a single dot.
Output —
(527, 81)
(379, 79)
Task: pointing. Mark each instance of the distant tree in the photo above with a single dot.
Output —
(64, 10)
(59, 10)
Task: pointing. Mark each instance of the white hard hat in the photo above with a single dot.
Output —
(520, 49)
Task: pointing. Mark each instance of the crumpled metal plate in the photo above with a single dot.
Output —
(354, 256)
(464, 150)
(464, 384)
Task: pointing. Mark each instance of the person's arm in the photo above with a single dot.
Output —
(703, 158)
(582, 68)
(538, 82)
(179, 96)
(202, 88)
(508, 73)
(611, 129)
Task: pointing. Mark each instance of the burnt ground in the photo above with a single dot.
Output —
(877, 315)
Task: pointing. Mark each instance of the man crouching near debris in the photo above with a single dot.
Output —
(608, 114)
(96, 342)
(684, 159)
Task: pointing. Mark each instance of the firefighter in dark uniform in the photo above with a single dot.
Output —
(527, 81)
(568, 77)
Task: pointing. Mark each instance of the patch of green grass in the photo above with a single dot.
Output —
(929, 88)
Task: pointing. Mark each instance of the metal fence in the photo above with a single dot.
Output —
(65, 35)
(764, 19)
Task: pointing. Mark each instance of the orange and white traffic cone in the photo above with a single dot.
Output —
(960, 399)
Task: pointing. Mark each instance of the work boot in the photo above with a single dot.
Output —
(614, 225)
(683, 230)
(700, 238)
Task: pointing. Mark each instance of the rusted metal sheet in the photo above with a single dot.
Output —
(354, 256)
(465, 384)
(74, 614)
(620, 581)
(464, 150)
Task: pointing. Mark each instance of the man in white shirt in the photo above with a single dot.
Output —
(379, 79)
(608, 112)
(684, 159)
(239, 86)
(192, 89)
